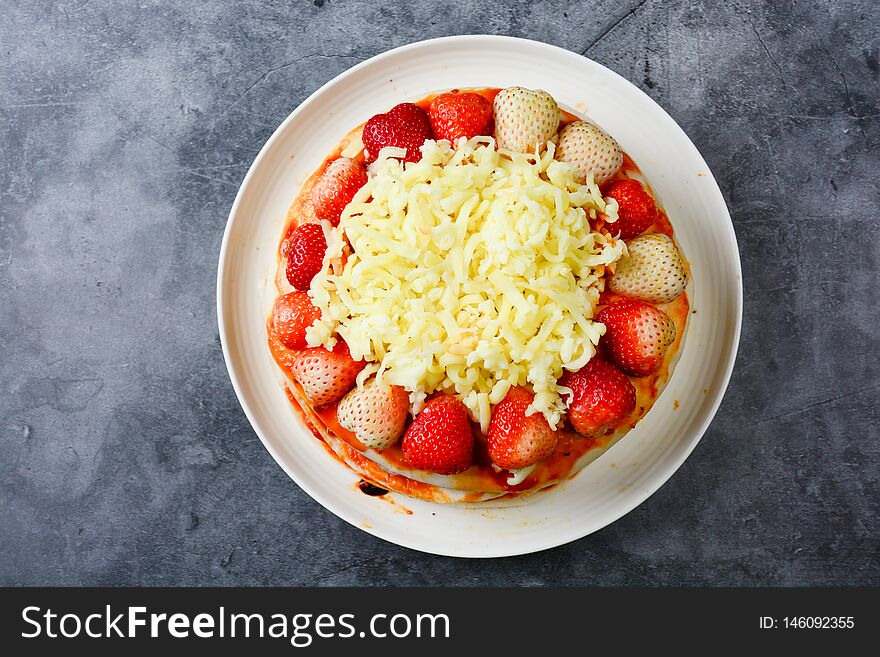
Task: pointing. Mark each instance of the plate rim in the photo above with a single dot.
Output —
(619, 511)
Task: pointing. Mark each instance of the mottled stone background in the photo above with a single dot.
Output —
(126, 130)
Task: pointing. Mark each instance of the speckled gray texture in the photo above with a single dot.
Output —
(126, 130)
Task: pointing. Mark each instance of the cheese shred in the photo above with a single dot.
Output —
(470, 271)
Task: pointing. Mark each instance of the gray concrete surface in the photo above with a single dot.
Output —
(126, 130)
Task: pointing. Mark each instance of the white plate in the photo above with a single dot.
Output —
(634, 468)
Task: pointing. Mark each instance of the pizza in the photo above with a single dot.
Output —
(478, 294)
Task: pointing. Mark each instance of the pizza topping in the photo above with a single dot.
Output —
(405, 126)
(637, 335)
(518, 439)
(326, 376)
(375, 413)
(636, 210)
(518, 475)
(651, 271)
(455, 115)
(591, 150)
(292, 314)
(337, 186)
(601, 396)
(472, 271)
(440, 439)
(305, 253)
(525, 120)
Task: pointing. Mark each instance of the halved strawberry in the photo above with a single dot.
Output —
(440, 439)
(601, 396)
(338, 184)
(524, 119)
(637, 335)
(636, 208)
(305, 250)
(517, 440)
(375, 414)
(653, 271)
(292, 314)
(404, 126)
(459, 114)
(591, 150)
(325, 376)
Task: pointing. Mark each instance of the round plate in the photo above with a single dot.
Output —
(636, 466)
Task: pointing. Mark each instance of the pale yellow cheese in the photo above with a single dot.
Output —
(470, 271)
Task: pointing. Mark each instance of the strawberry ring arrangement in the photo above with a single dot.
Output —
(478, 295)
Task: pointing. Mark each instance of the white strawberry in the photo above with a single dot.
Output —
(590, 149)
(524, 119)
(375, 414)
(653, 271)
(325, 376)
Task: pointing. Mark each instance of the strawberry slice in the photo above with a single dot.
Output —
(375, 414)
(292, 314)
(339, 183)
(404, 126)
(636, 208)
(456, 114)
(440, 439)
(637, 335)
(305, 249)
(601, 396)
(517, 440)
(326, 376)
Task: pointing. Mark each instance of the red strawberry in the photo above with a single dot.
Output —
(405, 126)
(338, 184)
(326, 376)
(455, 114)
(440, 439)
(517, 440)
(305, 250)
(637, 209)
(375, 414)
(601, 396)
(636, 335)
(292, 314)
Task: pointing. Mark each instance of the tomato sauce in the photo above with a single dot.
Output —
(371, 489)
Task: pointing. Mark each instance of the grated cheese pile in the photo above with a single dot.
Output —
(470, 271)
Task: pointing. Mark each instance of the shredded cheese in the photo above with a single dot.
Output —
(470, 271)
